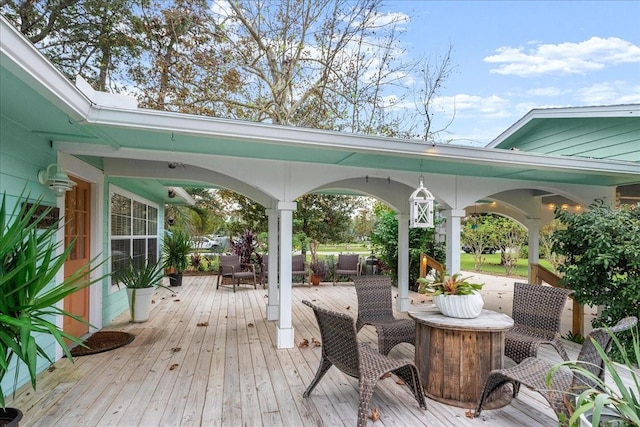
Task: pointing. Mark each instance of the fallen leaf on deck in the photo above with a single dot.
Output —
(348, 307)
(469, 414)
(316, 342)
(387, 375)
(173, 295)
(172, 367)
(375, 414)
(51, 368)
(399, 381)
(153, 301)
(411, 301)
(250, 325)
(303, 343)
(176, 300)
(203, 324)
(176, 349)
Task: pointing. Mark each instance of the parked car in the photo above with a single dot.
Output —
(488, 250)
(203, 243)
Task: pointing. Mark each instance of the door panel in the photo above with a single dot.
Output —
(77, 226)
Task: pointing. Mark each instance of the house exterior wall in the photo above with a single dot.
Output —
(22, 155)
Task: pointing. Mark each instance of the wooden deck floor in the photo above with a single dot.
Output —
(229, 373)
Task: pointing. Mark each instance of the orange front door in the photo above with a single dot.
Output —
(77, 226)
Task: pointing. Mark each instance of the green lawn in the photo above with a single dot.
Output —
(492, 265)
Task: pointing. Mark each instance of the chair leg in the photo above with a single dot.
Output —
(366, 387)
(494, 382)
(411, 377)
(325, 364)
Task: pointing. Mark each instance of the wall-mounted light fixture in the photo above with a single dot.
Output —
(56, 178)
(171, 193)
(421, 202)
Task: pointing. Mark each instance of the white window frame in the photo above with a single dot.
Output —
(134, 198)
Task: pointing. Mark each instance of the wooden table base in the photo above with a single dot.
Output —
(455, 356)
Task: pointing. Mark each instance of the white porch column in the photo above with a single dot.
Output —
(284, 329)
(453, 239)
(272, 286)
(533, 232)
(402, 302)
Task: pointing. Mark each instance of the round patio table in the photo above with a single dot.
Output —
(454, 356)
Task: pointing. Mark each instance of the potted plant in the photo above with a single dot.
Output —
(609, 403)
(176, 249)
(453, 295)
(30, 259)
(141, 282)
(319, 270)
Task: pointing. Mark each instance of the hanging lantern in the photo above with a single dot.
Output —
(421, 207)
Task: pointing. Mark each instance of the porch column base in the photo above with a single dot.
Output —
(272, 312)
(284, 337)
(402, 304)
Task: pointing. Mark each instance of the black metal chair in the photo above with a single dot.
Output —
(340, 347)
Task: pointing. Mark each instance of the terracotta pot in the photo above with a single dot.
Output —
(315, 280)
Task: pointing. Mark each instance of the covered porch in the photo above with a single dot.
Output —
(208, 357)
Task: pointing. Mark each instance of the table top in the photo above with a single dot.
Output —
(488, 320)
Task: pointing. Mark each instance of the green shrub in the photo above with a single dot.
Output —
(602, 266)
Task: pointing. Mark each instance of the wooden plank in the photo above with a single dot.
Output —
(232, 374)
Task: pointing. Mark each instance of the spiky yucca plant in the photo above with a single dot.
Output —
(30, 259)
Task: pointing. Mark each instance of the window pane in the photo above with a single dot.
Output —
(120, 215)
(139, 219)
(120, 252)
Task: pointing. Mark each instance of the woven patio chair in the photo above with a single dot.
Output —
(347, 265)
(232, 270)
(537, 312)
(375, 307)
(532, 372)
(340, 347)
(298, 268)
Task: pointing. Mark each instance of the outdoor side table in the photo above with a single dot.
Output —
(454, 356)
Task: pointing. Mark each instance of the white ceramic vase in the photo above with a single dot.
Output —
(140, 304)
(460, 306)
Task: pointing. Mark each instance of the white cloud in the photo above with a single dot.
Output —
(546, 91)
(609, 93)
(564, 58)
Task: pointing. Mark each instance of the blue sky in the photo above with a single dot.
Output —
(512, 56)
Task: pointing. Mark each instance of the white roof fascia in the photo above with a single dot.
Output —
(20, 56)
(627, 110)
(178, 123)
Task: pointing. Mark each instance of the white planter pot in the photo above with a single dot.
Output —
(140, 303)
(608, 417)
(460, 306)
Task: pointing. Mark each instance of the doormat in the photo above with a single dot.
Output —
(102, 341)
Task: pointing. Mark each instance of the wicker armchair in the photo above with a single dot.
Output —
(298, 268)
(537, 311)
(532, 372)
(232, 270)
(340, 347)
(375, 308)
(347, 265)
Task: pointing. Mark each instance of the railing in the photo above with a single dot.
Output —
(427, 262)
(539, 274)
